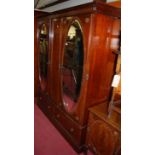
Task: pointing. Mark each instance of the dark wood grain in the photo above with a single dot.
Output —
(37, 14)
(100, 24)
(103, 134)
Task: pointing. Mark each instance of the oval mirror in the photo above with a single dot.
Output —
(43, 56)
(72, 68)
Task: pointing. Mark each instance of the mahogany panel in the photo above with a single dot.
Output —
(84, 21)
(71, 130)
(43, 103)
(39, 25)
(115, 4)
(37, 14)
(101, 30)
(55, 50)
(102, 60)
(103, 135)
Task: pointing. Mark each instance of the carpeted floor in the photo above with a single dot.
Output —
(47, 140)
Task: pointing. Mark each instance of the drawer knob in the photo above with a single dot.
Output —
(77, 118)
(94, 149)
(71, 129)
(88, 129)
(49, 107)
(115, 133)
(58, 116)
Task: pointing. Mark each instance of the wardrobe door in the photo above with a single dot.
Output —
(43, 56)
(37, 14)
(73, 64)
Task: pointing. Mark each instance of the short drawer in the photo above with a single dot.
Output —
(74, 130)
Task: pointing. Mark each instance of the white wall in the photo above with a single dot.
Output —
(66, 5)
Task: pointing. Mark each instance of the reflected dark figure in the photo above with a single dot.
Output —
(78, 59)
(73, 64)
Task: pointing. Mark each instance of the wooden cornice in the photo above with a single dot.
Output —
(97, 6)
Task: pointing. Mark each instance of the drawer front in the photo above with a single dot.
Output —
(73, 129)
(45, 105)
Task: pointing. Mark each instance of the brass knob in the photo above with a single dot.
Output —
(94, 149)
(58, 116)
(77, 118)
(71, 129)
(88, 129)
(115, 133)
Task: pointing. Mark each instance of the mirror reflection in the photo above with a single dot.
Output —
(43, 56)
(72, 65)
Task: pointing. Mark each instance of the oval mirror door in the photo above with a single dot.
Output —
(72, 68)
(43, 56)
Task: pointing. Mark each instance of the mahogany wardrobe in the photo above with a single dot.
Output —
(75, 64)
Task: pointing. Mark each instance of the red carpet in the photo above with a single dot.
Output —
(47, 140)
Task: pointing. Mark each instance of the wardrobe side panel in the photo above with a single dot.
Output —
(102, 60)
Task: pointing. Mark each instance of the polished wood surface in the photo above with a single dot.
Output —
(103, 133)
(115, 4)
(46, 80)
(100, 24)
(55, 54)
(71, 130)
(37, 14)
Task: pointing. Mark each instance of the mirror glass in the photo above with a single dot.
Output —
(72, 68)
(43, 56)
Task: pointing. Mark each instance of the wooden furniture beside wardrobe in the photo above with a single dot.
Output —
(103, 133)
(98, 25)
